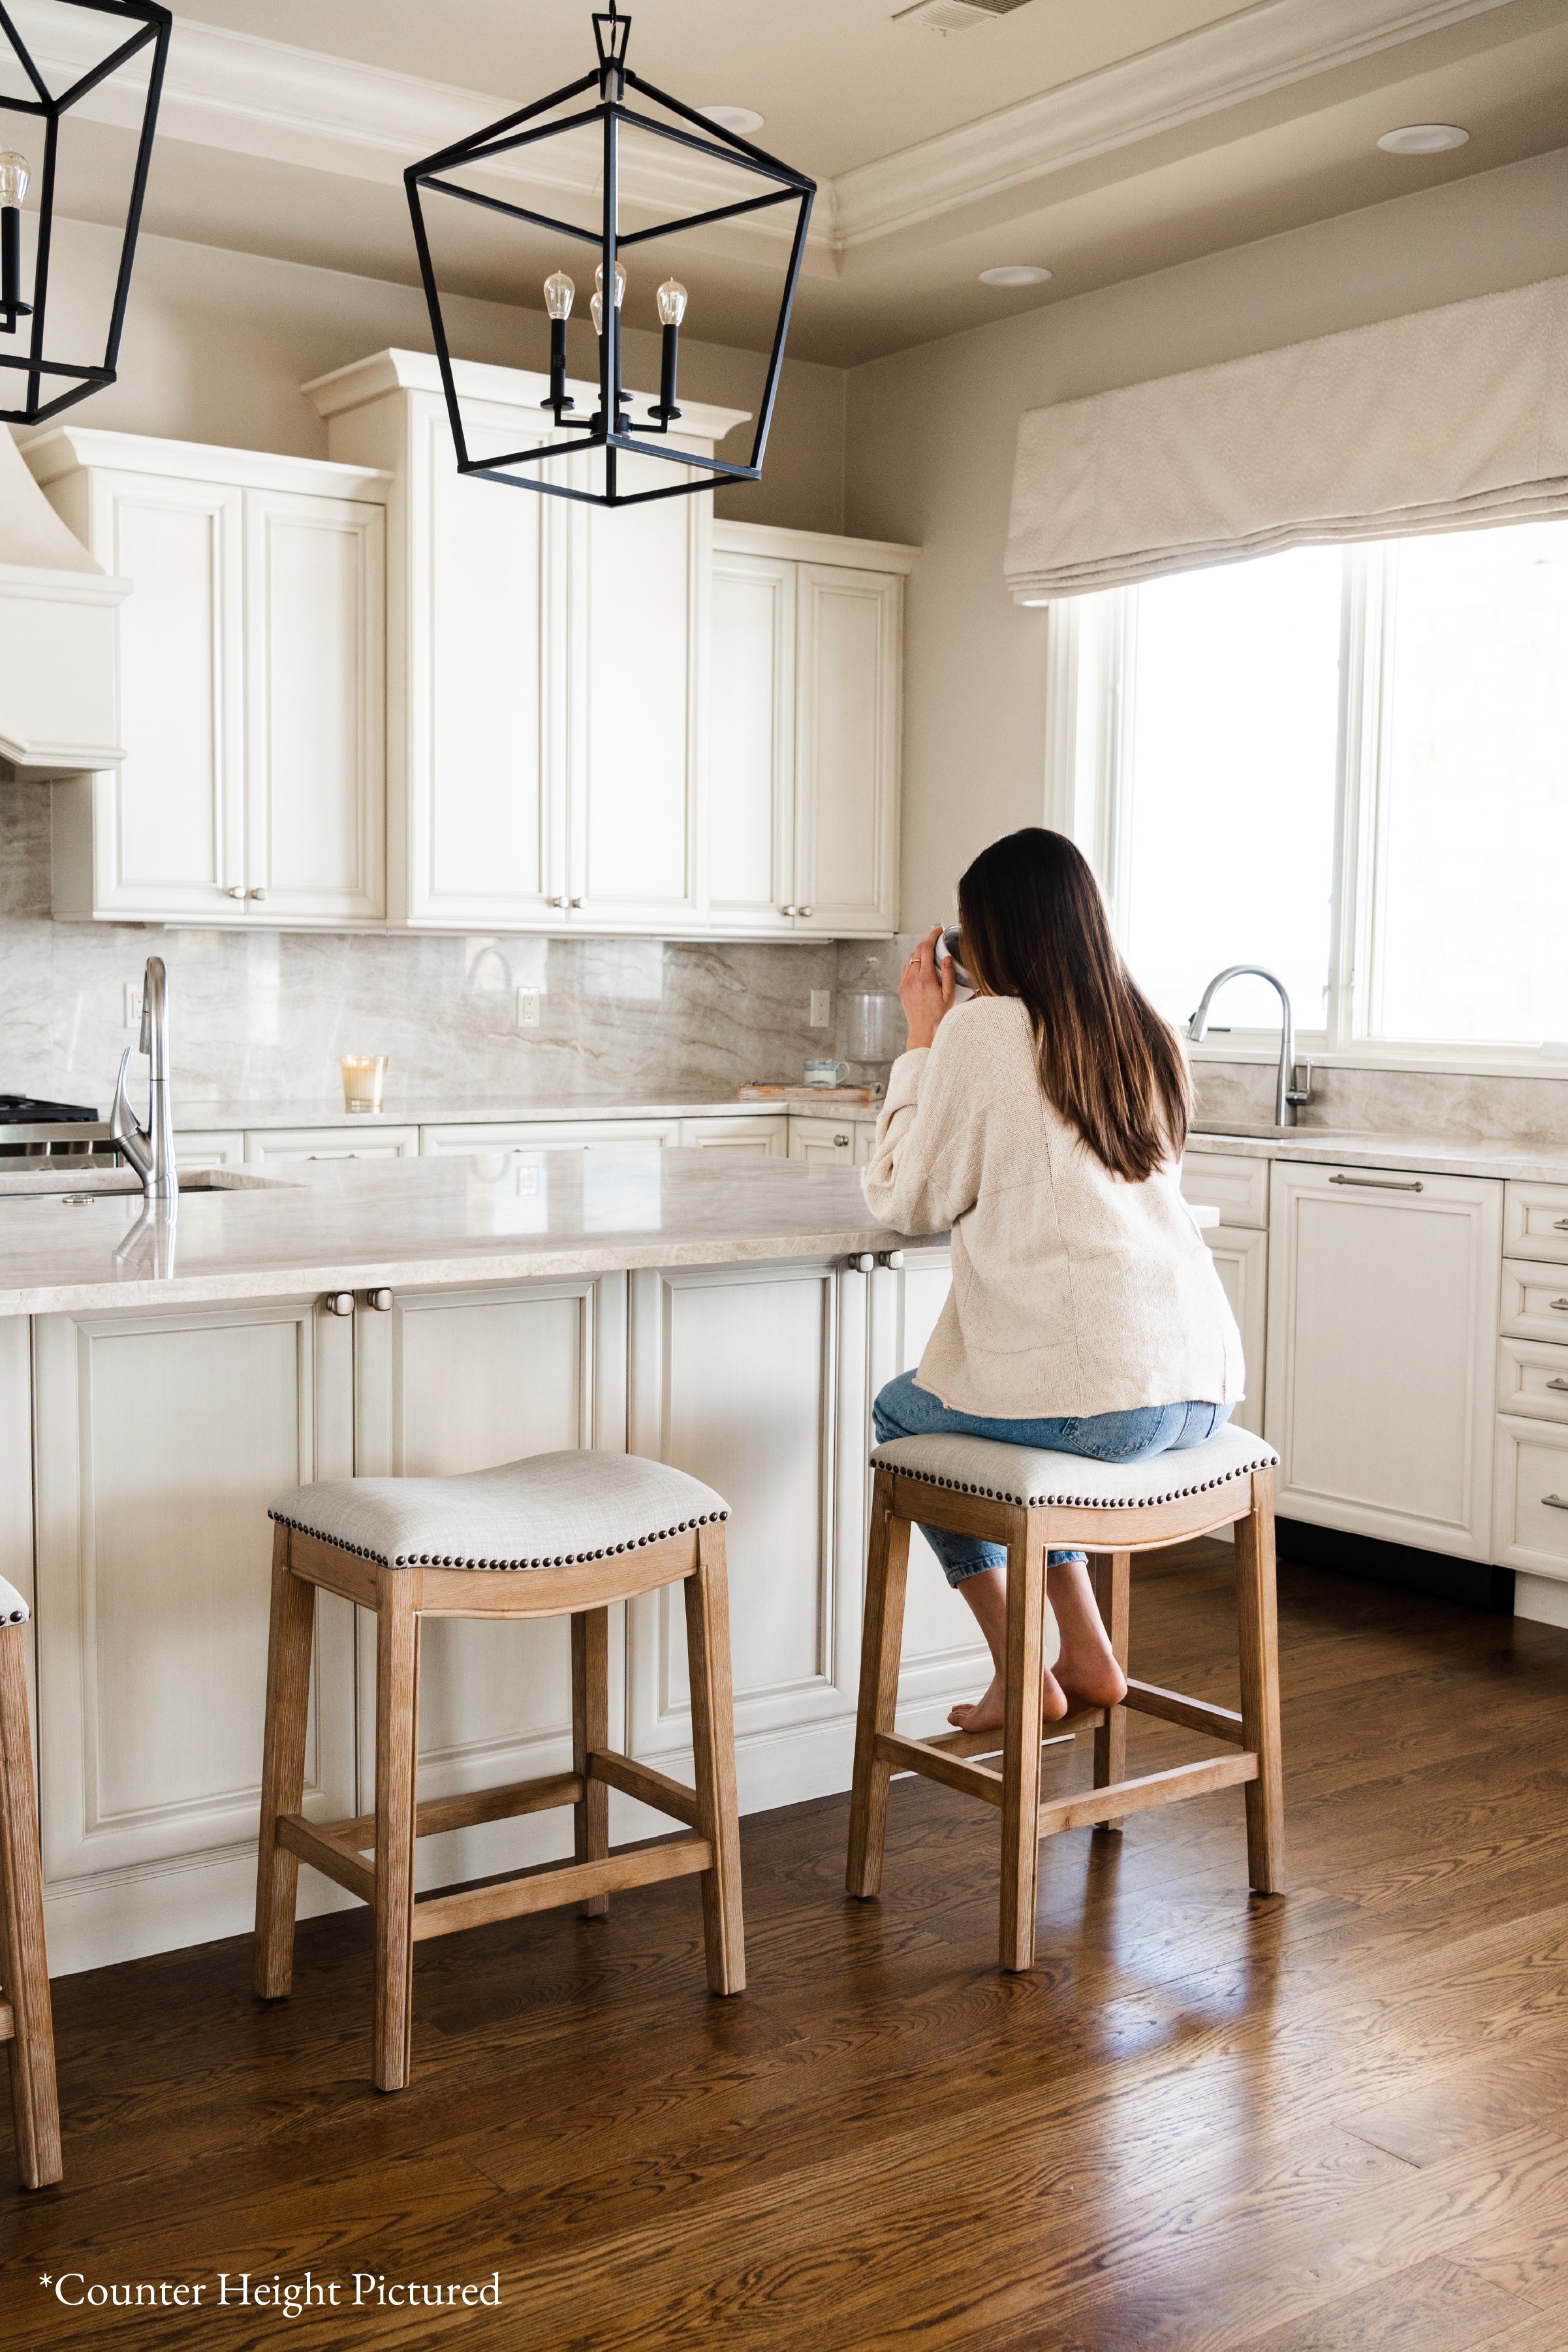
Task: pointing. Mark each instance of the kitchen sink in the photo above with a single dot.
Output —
(44, 1179)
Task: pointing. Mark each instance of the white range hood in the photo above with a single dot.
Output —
(59, 638)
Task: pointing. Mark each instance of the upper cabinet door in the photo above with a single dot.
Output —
(847, 750)
(315, 706)
(166, 836)
(751, 745)
(638, 629)
(484, 818)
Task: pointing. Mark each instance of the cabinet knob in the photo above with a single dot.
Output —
(894, 1258)
(339, 1302)
(865, 1264)
(805, 910)
(238, 891)
(576, 902)
(379, 1299)
(560, 902)
(789, 911)
(841, 1143)
(255, 893)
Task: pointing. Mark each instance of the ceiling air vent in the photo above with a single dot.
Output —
(955, 16)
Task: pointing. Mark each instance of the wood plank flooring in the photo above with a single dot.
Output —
(1205, 2123)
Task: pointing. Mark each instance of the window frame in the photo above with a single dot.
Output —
(1091, 646)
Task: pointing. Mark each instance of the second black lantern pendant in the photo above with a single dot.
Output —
(615, 426)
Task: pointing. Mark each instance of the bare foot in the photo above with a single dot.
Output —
(988, 1713)
(1095, 1680)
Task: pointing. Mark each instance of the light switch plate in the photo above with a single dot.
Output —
(821, 1007)
(132, 999)
(527, 1008)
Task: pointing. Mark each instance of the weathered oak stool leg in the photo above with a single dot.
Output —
(1114, 1592)
(282, 1768)
(887, 1569)
(713, 1745)
(27, 2021)
(1259, 1624)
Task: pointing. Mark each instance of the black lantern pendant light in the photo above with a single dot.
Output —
(614, 425)
(133, 26)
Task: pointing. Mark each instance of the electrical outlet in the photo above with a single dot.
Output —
(527, 1184)
(821, 1007)
(132, 999)
(527, 1008)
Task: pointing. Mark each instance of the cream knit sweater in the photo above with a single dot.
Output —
(1073, 1291)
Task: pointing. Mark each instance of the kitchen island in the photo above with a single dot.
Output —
(425, 1317)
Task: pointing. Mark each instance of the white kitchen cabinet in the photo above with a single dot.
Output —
(1240, 1257)
(752, 1378)
(763, 1137)
(506, 1136)
(545, 667)
(944, 1658)
(842, 1142)
(1231, 1182)
(806, 714)
(460, 1380)
(272, 1147)
(1383, 1292)
(208, 1146)
(1532, 1497)
(252, 686)
(161, 1440)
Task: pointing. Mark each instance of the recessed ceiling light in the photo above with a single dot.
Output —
(1014, 273)
(738, 119)
(1423, 139)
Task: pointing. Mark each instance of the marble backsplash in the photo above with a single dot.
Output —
(267, 1014)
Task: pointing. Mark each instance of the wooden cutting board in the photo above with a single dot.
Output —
(825, 1097)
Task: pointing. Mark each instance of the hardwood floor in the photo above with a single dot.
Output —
(1206, 2121)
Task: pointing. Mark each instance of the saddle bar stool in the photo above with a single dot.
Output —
(27, 2022)
(558, 1534)
(1033, 1501)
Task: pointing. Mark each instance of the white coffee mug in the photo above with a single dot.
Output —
(826, 1074)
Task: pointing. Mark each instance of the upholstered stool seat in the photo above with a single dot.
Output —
(555, 1535)
(1032, 1502)
(26, 2024)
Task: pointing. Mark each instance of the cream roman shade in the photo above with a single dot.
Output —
(1443, 420)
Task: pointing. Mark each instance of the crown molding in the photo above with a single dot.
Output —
(1265, 48)
(235, 91)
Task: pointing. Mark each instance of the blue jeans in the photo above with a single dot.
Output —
(904, 1411)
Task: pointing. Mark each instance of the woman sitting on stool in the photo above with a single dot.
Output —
(1044, 1121)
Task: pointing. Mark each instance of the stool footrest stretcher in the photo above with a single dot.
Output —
(1194, 1714)
(549, 1890)
(1137, 1796)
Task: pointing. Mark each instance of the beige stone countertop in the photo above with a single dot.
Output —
(468, 1110)
(411, 1224)
(1541, 1159)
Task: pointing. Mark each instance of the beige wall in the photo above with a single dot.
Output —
(217, 345)
(931, 433)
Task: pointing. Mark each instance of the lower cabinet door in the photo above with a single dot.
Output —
(449, 1380)
(1532, 1497)
(1241, 1261)
(943, 1657)
(753, 1378)
(1383, 1294)
(161, 1440)
(823, 1140)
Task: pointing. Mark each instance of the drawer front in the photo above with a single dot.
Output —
(1533, 1379)
(267, 1145)
(1534, 1301)
(1236, 1187)
(1532, 1497)
(764, 1137)
(1535, 1222)
(546, 1135)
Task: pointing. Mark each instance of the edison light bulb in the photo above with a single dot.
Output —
(620, 282)
(596, 311)
(14, 177)
(559, 291)
(672, 302)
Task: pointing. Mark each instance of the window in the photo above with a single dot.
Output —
(1350, 766)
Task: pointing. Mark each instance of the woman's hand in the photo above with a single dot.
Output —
(927, 993)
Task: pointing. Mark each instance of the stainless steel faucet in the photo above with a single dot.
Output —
(1292, 1086)
(151, 1149)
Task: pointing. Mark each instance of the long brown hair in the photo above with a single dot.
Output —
(1035, 927)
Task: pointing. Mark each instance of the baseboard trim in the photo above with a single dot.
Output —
(1472, 1583)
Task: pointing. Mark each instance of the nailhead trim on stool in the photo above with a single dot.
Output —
(12, 1608)
(579, 1504)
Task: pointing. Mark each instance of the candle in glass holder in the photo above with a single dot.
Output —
(364, 1075)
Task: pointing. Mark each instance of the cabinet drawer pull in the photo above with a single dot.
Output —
(1560, 1225)
(1561, 1386)
(1381, 1183)
(1555, 1501)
